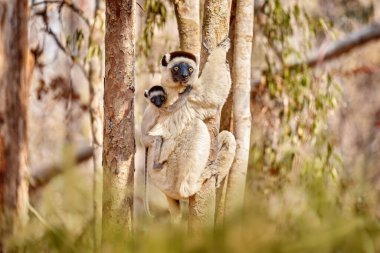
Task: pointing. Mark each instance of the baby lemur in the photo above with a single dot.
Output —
(157, 106)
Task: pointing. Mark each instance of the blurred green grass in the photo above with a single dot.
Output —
(307, 212)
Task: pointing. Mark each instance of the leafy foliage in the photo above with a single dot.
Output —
(297, 100)
(155, 17)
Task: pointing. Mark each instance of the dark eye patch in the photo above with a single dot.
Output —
(176, 68)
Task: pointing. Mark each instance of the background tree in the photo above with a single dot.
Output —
(241, 78)
(118, 140)
(14, 92)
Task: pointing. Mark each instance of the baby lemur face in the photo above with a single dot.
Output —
(156, 95)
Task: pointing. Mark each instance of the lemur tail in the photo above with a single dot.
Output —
(146, 195)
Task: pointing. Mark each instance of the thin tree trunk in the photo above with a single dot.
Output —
(215, 29)
(96, 95)
(96, 114)
(241, 76)
(14, 90)
(187, 14)
(118, 140)
(226, 122)
(377, 10)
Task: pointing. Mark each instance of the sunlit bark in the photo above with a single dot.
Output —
(241, 76)
(14, 93)
(118, 140)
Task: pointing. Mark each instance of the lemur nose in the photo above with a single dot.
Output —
(185, 75)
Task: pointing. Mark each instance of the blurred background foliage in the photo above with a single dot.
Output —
(313, 171)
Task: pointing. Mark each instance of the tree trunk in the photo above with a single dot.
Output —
(118, 140)
(187, 14)
(96, 114)
(215, 29)
(96, 96)
(188, 21)
(377, 11)
(241, 77)
(14, 92)
(226, 122)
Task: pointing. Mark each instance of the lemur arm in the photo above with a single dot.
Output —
(214, 83)
(182, 98)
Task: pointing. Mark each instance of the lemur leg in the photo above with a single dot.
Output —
(223, 162)
(194, 149)
(167, 149)
(174, 209)
(157, 152)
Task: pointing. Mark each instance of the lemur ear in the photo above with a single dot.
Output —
(146, 93)
(197, 59)
(165, 60)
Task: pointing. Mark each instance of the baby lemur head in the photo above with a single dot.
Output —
(156, 95)
(179, 67)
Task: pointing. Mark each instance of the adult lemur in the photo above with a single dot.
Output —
(186, 141)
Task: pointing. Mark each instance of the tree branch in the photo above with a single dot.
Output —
(336, 49)
(41, 177)
(71, 6)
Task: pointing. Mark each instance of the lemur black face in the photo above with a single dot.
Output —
(181, 72)
(156, 95)
(158, 100)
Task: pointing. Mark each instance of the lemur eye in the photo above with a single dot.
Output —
(152, 100)
(175, 68)
(191, 69)
(162, 98)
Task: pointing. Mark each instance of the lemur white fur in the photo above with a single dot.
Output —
(186, 168)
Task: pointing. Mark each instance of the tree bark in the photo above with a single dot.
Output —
(96, 88)
(118, 139)
(226, 121)
(377, 11)
(14, 92)
(241, 76)
(215, 29)
(96, 115)
(187, 14)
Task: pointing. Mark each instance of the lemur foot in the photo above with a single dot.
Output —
(210, 171)
(158, 166)
(225, 43)
(206, 47)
